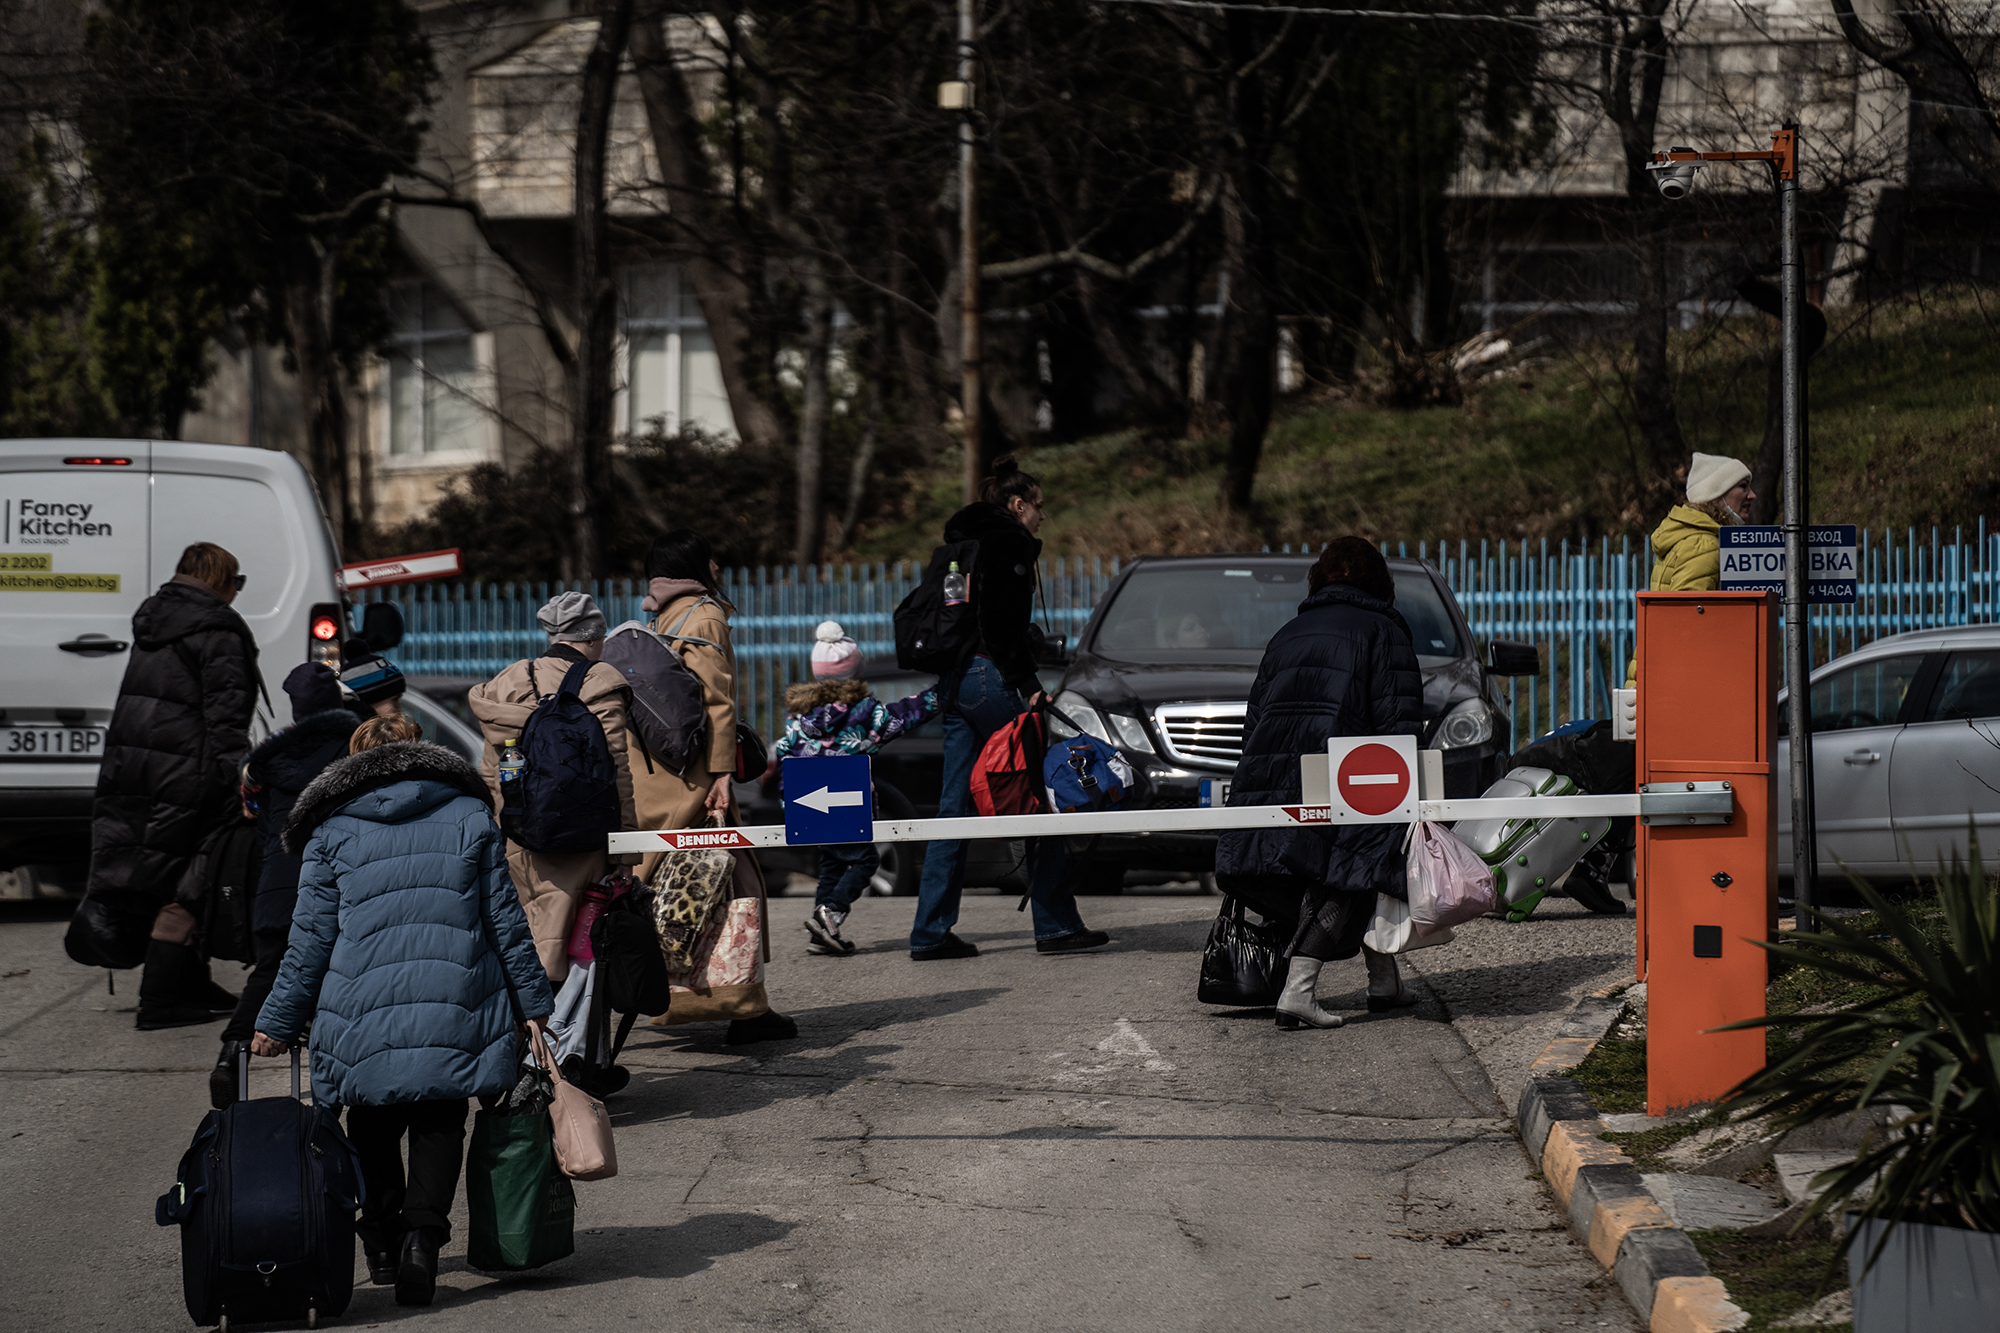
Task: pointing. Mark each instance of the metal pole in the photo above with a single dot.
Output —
(1798, 638)
(970, 352)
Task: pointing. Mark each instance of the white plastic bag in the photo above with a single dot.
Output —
(1393, 931)
(1448, 883)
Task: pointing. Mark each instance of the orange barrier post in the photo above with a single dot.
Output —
(1708, 684)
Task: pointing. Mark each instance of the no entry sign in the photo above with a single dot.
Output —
(1374, 779)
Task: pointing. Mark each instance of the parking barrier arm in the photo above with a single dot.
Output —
(1704, 802)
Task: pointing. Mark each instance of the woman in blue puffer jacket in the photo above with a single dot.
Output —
(411, 958)
(1343, 666)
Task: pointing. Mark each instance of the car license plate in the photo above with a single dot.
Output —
(51, 743)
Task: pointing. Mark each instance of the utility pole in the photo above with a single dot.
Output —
(1796, 516)
(1677, 169)
(971, 393)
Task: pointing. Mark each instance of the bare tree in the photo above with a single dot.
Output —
(596, 291)
(1613, 59)
(1941, 61)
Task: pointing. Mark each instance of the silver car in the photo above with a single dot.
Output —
(1906, 753)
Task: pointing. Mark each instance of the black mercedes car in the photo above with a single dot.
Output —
(1163, 671)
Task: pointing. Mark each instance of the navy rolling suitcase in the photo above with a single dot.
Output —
(265, 1201)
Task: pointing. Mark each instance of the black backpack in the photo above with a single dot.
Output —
(931, 636)
(566, 798)
(669, 712)
(224, 873)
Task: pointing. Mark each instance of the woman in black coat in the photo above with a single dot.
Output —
(283, 765)
(178, 735)
(1343, 666)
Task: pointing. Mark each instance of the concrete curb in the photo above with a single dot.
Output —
(1610, 1209)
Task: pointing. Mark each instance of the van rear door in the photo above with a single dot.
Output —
(74, 566)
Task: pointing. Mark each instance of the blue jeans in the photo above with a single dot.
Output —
(844, 872)
(985, 703)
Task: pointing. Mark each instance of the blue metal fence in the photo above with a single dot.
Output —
(1574, 602)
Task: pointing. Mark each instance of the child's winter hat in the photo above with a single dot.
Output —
(834, 655)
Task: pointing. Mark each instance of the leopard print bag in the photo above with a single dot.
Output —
(688, 888)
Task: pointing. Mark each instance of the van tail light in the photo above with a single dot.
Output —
(323, 635)
(98, 462)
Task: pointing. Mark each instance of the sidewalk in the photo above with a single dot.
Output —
(1009, 1142)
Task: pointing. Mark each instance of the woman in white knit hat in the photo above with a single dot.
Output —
(1687, 546)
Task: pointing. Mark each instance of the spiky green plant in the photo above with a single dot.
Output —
(1921, 1046)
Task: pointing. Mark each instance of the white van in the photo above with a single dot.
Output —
(88, 529)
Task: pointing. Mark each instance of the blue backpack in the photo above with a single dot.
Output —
(565, 796)
(1083, 773)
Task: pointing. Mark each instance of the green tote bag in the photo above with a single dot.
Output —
(523, 1211)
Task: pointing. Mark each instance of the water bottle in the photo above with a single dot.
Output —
(954, 586)
(512, 764)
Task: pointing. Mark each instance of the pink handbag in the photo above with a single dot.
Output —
(582, 1126)
(1448, 883)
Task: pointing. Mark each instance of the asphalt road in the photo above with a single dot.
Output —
(1008, 1142)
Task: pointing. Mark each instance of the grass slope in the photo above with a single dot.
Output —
(1904, 430)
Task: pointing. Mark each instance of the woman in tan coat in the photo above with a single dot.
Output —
(550, 884)
(683, 593)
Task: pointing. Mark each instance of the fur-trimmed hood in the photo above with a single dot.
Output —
(807, 695)
(301, 739)
(371, 770)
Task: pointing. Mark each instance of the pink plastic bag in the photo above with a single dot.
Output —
(1448, 883)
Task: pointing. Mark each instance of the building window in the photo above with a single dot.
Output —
(672, 376)
(434, 378)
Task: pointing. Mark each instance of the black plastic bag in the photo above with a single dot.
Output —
(1243, 964)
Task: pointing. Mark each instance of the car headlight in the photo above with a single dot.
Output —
(1131, 733)
(1468, 723)
(1079, 711)
(1111, 728)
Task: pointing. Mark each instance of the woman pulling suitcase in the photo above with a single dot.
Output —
(411, 954)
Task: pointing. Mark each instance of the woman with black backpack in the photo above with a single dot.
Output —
(552, 882)
(996, 684)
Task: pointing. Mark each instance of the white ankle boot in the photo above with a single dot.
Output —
(1297, 1006)
(1385, 983)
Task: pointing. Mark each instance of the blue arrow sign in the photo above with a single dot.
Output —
(829, 799)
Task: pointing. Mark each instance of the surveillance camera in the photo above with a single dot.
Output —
(1675, 179)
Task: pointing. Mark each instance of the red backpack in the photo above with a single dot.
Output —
(1007, 778)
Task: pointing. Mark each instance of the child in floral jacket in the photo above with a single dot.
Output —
(835, 714)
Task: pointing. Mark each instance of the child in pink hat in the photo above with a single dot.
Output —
(835, 714)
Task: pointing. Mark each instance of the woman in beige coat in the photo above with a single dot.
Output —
(683, 593)
(550, 884)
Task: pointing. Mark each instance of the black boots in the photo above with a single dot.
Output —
(383, 1265)
(222, 1078)
(175, 990)
(768, 1026)
(416, 1275)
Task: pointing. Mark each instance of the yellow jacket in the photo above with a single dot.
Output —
(1687, 552)
(1687, 557)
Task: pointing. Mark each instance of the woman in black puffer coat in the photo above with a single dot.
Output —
(179, 733)
(1343, 666)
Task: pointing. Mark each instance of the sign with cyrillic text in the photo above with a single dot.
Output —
(1753, 560)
